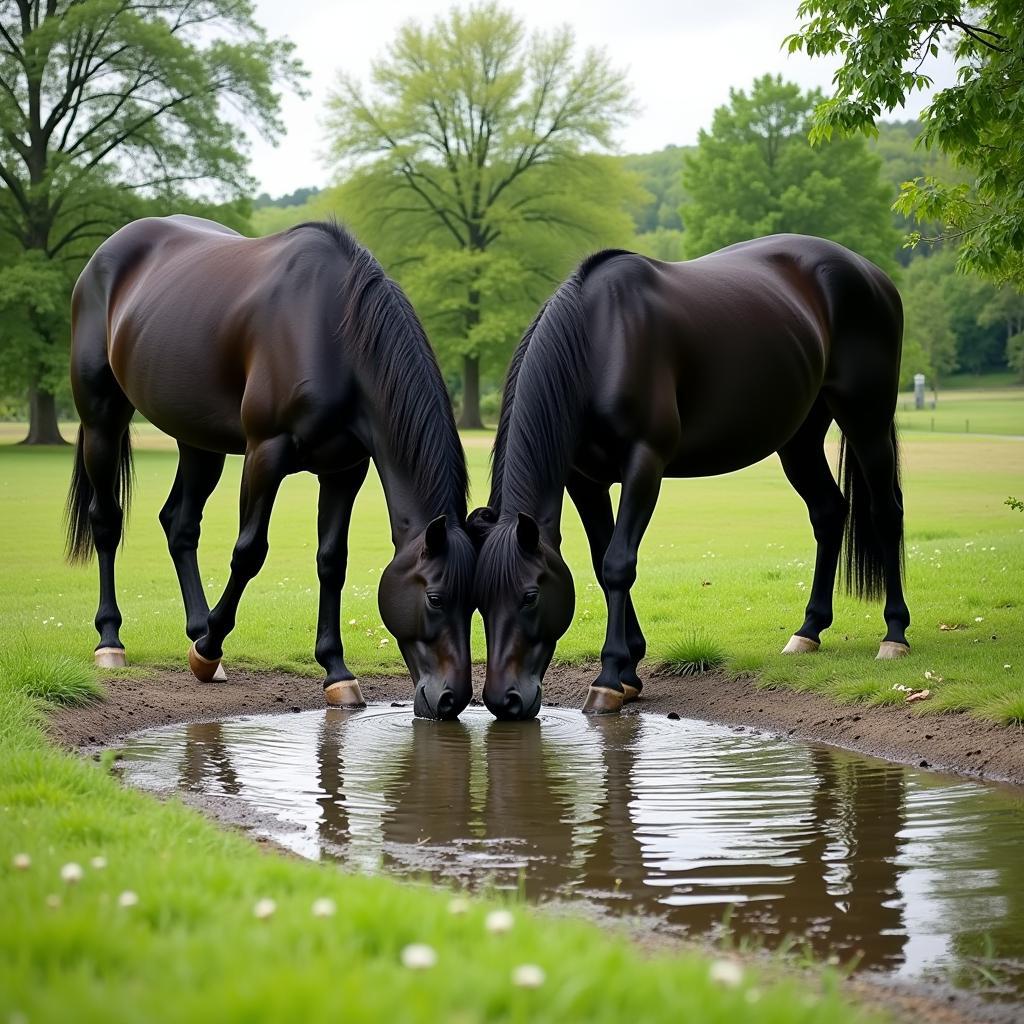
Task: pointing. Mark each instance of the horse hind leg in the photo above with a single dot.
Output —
(197, 475)
(806, 468)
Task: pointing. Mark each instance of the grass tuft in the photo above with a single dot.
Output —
(693, 654)
(48, 675)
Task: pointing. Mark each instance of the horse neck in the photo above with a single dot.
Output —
(409, 511)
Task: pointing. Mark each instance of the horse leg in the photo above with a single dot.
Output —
(337, 496)
(101, 452)
(198, 474)
(641, 483)
(266, 465)
(594, 505)
(806, 468)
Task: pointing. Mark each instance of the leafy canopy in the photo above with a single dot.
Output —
(977, 122)
(470, 166)
(109, 110)
(755, 173)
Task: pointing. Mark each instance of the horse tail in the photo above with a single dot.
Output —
(80, 544)
(863, 565)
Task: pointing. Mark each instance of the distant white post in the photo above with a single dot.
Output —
(918, 390)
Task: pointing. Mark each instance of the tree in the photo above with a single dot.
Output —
(929, 344)
(110, 109)
(977, 122)
(466, 159)
(755, 173)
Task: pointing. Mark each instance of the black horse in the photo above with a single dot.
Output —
(635, 370)
(297, 351)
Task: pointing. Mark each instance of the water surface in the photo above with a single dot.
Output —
(695, 827)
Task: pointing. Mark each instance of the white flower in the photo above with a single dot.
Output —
(128, 899)
(418, 957)
(99, 863)
(499, 921)
(264, 908)
(324, 907)
(458, 905)
(726, 972)
(72, 873)
(979, 618)
(1005, 666)
(22, 861)
(53, 901)
(528, 976)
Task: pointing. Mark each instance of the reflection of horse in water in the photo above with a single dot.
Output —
(825, 870)
(206, 756)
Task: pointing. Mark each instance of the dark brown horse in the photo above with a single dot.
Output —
(297, 351)
(636, 370)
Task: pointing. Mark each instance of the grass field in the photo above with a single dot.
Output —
(966, 411)
(728, 558)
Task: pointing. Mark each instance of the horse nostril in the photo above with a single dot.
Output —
(446, 704)
(514, 704)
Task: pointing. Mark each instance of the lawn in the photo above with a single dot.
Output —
(729, 558)
(966, 411)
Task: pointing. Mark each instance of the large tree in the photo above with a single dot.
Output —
(755, 173)
(466, 166)
(110, 109)
(884, 49)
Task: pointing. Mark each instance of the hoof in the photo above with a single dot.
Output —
(602, 700)
(344, 694)
(800, 645)
(889, 649)
(203, 669)
(629, 693)
(109, 657)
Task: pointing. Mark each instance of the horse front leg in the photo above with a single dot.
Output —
(594, 505)
(641, 484)
(337, 496)
(266, 465)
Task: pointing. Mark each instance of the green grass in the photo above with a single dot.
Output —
(731, 556)
(964, 411)
(693, 654)
(191, 948)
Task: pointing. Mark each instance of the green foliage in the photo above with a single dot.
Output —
(109, 111)
(976, 122)
(1015, 353)
(466, 169)
(929, 344)
(755, 173)
(660, 173)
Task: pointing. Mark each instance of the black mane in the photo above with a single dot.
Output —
(389, 342)
(545, 389)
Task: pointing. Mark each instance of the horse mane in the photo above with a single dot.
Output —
(390, 344)
(545, 390)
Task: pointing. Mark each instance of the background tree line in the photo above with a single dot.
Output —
(478, 163)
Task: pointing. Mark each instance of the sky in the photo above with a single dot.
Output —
(681, 57)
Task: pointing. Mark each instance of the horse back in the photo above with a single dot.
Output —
(716, 362)
(218, 338)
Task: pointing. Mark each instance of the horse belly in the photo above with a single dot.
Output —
(737, 411)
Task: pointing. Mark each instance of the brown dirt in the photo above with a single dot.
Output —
(952, 743)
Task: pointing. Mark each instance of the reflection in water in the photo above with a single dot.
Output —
(686, 823)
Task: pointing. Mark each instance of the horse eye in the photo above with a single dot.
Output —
(530, 598)
(435, 600)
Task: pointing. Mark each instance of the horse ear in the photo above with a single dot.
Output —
(435, 539)
(479, 523)
(527, 533)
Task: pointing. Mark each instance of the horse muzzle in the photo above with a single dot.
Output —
(436, 699)
(517, 703)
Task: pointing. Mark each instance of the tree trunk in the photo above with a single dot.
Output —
(42, 418)
(470, 418)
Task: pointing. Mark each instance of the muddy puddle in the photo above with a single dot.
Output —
(693, 828)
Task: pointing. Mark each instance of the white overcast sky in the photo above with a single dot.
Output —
(680, 56)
